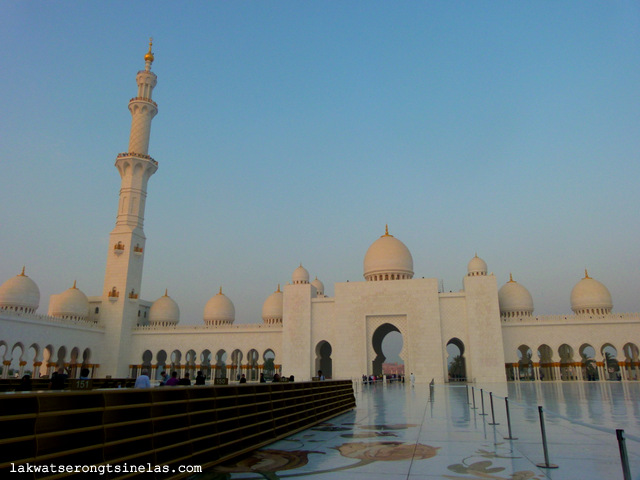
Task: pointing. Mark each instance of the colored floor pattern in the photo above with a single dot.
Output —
(403, 432)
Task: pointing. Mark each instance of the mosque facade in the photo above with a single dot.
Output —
(492, 330)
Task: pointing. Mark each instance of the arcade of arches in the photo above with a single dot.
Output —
(38, 361)
(217, 364)
(575, 362)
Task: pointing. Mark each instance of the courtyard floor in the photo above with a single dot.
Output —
(403, 432)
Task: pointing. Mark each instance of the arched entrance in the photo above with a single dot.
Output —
(525, 364)
(545, 354)
(612, 369)
(456, 364)
(631, 360)
(376, 342)
(323, 359)
(221, 364)
(268, 367)
(588, 361)
(567, 372)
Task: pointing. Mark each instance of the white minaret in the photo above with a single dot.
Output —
(123, 277)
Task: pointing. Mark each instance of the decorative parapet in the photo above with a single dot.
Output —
(137, 155)
(573, 319)
(11, 314)
(244, 327)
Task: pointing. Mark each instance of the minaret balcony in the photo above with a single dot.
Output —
(137, 155)
(137, 250)
(136, 99)
(118, 248)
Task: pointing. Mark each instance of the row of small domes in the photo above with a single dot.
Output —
(386, 259)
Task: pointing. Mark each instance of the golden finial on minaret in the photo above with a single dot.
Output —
(166, 292)
(74, 285)
(22, 274)
(149, 56)
(220, 292)
(586, 275)
(511, 278)
(386, 229)
(278, 288)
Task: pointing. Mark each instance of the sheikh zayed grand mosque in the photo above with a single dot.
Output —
(494, 331)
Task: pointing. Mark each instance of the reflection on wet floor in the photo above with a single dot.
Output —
(400, 432)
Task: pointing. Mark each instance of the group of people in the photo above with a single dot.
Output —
(390, 378)
(143, 380)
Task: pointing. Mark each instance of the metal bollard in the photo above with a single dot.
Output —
(546, 463)
(482, 400)
(473, 394)
(506, 404)
(467, 387)
(493, 417)
(624, 458)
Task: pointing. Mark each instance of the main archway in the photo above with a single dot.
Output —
(324, 363)
(376, 342)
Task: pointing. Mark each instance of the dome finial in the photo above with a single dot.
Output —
(220, 292)
(22, 274)
(166, 292)
(586, 275)
(278, 288)
(149, 56)
(511, 278)
(74, 285)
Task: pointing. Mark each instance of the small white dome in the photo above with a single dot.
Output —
(319, 287)
(476, 266)
(388, 259)
(20, 293)
(272, 307)
(300, 275)
(589, 296)
(72, 303)
(219, 310)
(164, 311)
(515, 300)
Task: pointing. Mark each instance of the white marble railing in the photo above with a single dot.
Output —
(13, 315)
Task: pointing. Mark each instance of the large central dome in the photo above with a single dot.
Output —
(388, 259)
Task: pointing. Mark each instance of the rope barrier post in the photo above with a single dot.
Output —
(506, 404)
(624, 458)
(493, 417)
(546, 463)
(467, 387)
(473, 394)
(482, 400)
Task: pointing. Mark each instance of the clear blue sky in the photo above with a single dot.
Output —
(293, 132)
